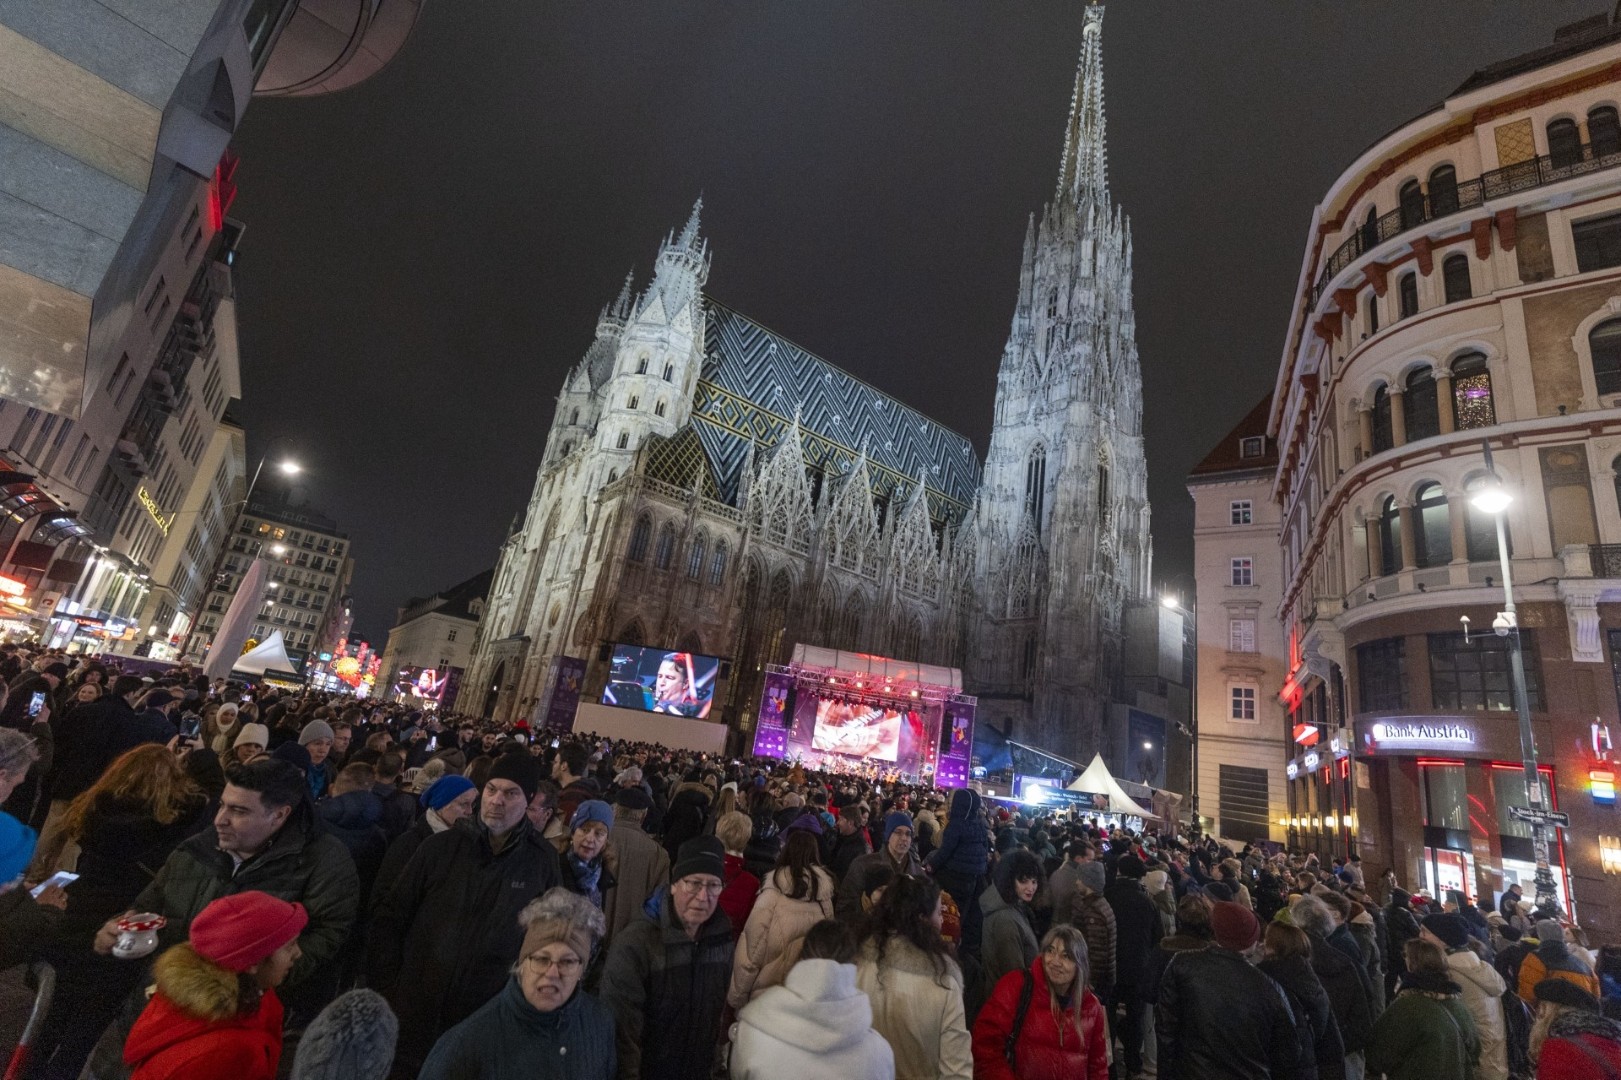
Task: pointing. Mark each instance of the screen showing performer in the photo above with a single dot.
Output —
(661, 681)
(857, 729)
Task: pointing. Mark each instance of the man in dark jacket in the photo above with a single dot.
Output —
(1221, 1017)
(399, 807)
(666, 977)
(848, 842)
(1344, 979)
(445, 935)
(1137, 932)
(1401, 926)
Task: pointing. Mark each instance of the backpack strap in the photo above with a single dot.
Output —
(1025, 993)
(1588, 1052)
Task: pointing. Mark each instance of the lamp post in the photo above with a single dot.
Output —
(1174, 603)
(1494, 499)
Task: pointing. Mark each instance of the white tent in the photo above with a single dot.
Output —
(1096, 779)
(237, 623)
(269, 655)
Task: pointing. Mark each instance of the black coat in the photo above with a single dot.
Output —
(90, 736)
(121, 849)
(1322, 1052)
(1138, 929)
(1346, 983)
(399, 810)
(445, 936)
(399, 854)
(1219, 1018)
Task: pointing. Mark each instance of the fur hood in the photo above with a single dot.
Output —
(901, 955)
(199, 987)
(1578, 1022)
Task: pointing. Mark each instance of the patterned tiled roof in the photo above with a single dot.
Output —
(753, 381)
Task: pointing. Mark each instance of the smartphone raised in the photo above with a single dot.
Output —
(62, 878)
(36, 703)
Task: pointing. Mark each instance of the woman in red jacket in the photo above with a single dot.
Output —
(215, 1013)
(1062, 1034)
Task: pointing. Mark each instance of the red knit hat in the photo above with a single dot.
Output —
(237, 932)
(1234, 926)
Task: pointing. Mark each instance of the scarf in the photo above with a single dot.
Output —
(586, 876)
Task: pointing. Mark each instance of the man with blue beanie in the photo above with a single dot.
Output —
(26, 924)
(447, 800)
(895, 852)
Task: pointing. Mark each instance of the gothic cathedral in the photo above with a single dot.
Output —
(709, 485)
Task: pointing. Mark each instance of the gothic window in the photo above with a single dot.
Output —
(1604, 131)
(658, 410)
(669, 373)
(640, 535)
(1420, 407)
(1455, 278)
(632, 402)
(1411, 200)
(641, 366)
(1433, 527)
(1383, 439)
(1052, 320)
(1035, 484)
(1407, 294)
(850, 624)
(1443, 190)
(1103, 490)
(665, 553)
(717, 564)
(624, 439)
(1472, 392)
(1029, 657)
(574, 416)
(1605, 341)
(695, 556)
(1564, 143)
(613, 474)
(1390, 536)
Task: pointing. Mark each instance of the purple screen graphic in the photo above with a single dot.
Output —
(956, 746)
(776, 717)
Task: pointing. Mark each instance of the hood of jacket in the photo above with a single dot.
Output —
(903, 956)
(1468, 968)
(194, 998)
(963, 802)
(1580, 1022)
(817, 1008)
(351, 810)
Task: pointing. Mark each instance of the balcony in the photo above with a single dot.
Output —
(1524, 176)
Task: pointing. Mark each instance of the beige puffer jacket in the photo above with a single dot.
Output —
(769, 944)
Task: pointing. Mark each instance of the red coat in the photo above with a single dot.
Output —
(190, 1030)
(1562, 1059)
(1048, 1047)
(737, 898)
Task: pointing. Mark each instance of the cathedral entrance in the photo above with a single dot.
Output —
(494, 695)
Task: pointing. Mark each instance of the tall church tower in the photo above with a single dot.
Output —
(1061, 525)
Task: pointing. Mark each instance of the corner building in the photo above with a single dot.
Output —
(709, 485)
(1462, 283)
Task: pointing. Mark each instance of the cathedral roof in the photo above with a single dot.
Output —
(1228, 455)
(752, 382)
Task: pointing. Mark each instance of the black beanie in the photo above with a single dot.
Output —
(521, 769)
(700, 855)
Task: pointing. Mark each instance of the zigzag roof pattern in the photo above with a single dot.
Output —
(754, 380)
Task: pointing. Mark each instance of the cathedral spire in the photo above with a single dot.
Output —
(689, 234)
(1082, 172)
(621, 308)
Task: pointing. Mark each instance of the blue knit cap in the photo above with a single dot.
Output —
(16, 847)
(897, 819)
(592, 810)
(444, 791)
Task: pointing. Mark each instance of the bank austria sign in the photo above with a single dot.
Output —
(1455, 734)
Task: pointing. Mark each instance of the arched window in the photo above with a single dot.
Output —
(1564, 143)
(658, 410)
(695, 556)
(1390, 536)
(1455, 278)
(664, 554)
(850, 624)
(717, 564)
(1383, 439)
(1052, 320)
(1443, 190)
(1035, 484)
(1472, 393)
(632, 401)
(613, 474)
(1407, 292)
(1419, 406)
(1103, 490)
(1030, 657)
(1433, 528)
(1604, 131)
(1372, 314)
(1605, 341)
(641, 365)
(624, 440)
(1412, 204)
(640, 535)
(574, 416)
(669, 373)
(1370, 229)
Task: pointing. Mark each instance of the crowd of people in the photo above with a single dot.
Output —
(294, 884)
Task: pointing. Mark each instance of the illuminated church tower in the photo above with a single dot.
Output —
(1061, 525)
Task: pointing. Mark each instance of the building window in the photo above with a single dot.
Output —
(1407, 292)
(451, 636)
(669, 373)
(717, 564)
(632, 402)
(1598, 242)
(1241, 635)
(1475, 676)
(1455, 278)
(1443, 190)
(664, 555)
(1242, 572)
(1372, 314)
(1252, 446)
(640, 536)
(1564, 143)
(1242, 708)
(695, 557)
(1446, 797)
(641, 365)
(1420, 407)
(1103, 491)
(1389, 536)
(624, 439)
(1381, 670)
(1605, 342)
(1472, 392)
(1241, 511)
(1411, 201)
(574, 416)
(1035, 484)
(1603, 131)
(1433, 529)
(1383, 433)
(658, 410)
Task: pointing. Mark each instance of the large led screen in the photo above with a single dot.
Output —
(660, 681)
(857, 730)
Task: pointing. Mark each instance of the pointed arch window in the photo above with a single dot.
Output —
(658, 410)
(1605, 341)
(695, 556)
(574, 416)
(641, 365)
(1412, 204)
(1103, 489)
(1035, 484)
(1455, 278)
(1420, 407)
(1029, 657)
(1390, 535)
(1052, 320)
(850, 625)
(1472, 393)
(1383, 439)
(1604, 131)
(1433, 527)
(1564, 143)
(669, 373)
(717, 564)
(632, 402)
(1407, 294)
(624, 440)
(1443, 191)
(664, 554)
(640, 536)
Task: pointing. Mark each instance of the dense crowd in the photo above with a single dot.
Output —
(344, 889)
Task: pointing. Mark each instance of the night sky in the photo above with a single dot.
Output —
(426, 254)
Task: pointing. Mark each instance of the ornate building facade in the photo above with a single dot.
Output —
(710, 485)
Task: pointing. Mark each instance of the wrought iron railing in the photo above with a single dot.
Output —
(1437, 204)
(1606, 560)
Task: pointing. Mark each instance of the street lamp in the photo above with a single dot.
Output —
(1494, 499)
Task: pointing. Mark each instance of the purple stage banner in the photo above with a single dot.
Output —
(568, 676)
(771, 730)
(956, 746)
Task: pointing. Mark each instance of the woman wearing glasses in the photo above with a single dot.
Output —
(542, 1024)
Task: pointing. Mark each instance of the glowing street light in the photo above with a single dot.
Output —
(1171, 602)
(289, 468)
(1491, 497)
(278, 549)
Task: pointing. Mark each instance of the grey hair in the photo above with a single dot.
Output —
(562, 905)
(17, 751)
(1312, 916)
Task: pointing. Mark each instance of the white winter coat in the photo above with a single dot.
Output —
(815, 1026)
(1483, 997)
(918, 1012)
(769, 944)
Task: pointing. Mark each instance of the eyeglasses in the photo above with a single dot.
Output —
(568, 965)
(711, 888)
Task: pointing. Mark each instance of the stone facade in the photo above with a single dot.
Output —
(711, 486)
